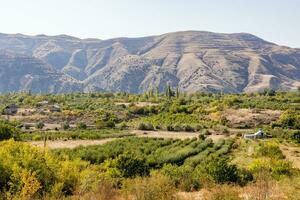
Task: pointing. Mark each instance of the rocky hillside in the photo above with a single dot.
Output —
(192, 60)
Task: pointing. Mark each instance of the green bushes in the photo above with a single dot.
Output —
(182, 177)
(270, 150)
(39, 125)
(100, 124)
(65, 125)
(7, 131)
(75, 135)
(27, 172)
(271, 161)
(127, 166)
(289, 119)
(81, 125)
(145, 127)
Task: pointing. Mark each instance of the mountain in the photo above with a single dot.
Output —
(192, 60)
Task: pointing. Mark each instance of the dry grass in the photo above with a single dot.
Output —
(58, 144)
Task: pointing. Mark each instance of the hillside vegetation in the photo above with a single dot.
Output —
(145, 156)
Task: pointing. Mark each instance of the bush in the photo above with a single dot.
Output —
(145, 127)
(188, 128)
(270, 150)
(127, 165)
(276, 168)
(100, 124)
(81, 125)
(182, 177)
(39, 125)
(65, 125)
(7, 132)
(156, 187)
(296, 136)
(30, 172)
(220, 170)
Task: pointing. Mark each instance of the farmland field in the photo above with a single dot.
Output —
(129, 146)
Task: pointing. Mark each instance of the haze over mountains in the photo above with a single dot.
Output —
(192, 60)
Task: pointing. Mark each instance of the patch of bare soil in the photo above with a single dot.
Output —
(48, 126)
(250, 117)
(292, 153)
(138, 104)
(58, 144)
(191, 195)
(173, 135)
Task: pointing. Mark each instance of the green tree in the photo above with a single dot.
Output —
(220, 170)
(128, 166)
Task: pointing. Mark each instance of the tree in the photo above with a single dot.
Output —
(128, 166)
(177, 93)
(221, 171)
(169, 92)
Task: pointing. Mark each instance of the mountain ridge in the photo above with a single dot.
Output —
(194, 61)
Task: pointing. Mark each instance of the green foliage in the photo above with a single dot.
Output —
(127, 166)
(182, 177)
(277, 168)
(100, 124)
(76, 134)
(289, 119)
(7, 131)
(296, 136)
(65, 125)
(81, 125)
(220, 170)
(39, 125)
(147, 126)
(27, 172)
(270, 150)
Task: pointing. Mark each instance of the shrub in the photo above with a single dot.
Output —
(145, 127)
(156, 187)
(296, 136)
(65, 125)
(100, 124)
(276, 168)
(127, 165)
(220, 170)
(181, 177)
(7, 131)
(188, 128)
(39, 125)
(270, 150)
(32, 172)
(81, 125)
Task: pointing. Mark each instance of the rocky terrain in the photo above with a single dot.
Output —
(192, 60)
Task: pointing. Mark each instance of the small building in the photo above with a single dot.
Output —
(11, 109)
(258, 135)
(55, 108)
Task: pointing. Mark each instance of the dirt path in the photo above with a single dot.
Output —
(292, 153)
(173, 135)
(58, 144)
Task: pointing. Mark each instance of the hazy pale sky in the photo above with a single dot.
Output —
(274, 20)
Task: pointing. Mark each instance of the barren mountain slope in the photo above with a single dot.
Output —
(192, 60)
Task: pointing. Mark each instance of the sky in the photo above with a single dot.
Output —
(273, 20)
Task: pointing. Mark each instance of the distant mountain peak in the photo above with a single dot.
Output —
(191, 60)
